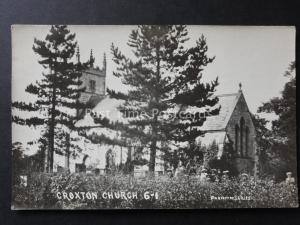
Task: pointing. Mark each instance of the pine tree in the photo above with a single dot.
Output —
(163, 77)
(57, 93)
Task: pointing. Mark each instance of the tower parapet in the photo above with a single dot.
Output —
(93, 79)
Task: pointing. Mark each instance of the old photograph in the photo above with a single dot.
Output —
(153, 117)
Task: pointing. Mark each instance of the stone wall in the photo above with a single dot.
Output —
(96, 75)
(247, 158)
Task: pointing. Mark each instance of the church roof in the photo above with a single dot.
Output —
(212, 123)
(106, 107)
(219, 122)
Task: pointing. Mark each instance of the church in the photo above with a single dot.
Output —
(233, 124)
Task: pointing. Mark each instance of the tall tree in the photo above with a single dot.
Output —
(57, 93)
(284, 127)
(264, 139)
(164, 80)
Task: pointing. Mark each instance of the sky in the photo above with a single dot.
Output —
(256, 56)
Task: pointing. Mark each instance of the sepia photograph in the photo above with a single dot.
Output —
(153, 117)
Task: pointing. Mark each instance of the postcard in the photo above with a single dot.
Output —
(153, 117)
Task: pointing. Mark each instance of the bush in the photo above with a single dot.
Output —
(184, 192)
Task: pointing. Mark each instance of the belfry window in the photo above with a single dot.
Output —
(93, 86)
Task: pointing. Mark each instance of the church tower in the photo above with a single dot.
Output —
(93, 79)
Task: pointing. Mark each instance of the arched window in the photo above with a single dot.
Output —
(247, 141)
(93, 86)
(242, 124)
(237, 138)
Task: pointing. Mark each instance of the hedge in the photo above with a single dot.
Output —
(44, 191)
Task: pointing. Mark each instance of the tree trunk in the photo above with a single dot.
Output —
(51, 131)
(67, 154)
(46, 160)
(152, 157)
(154, 127)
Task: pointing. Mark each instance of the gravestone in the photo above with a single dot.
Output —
(80, 168)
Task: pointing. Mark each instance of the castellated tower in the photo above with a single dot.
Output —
(93, 79)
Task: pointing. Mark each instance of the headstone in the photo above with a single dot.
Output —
(179, 171)
(203, 175)
(23, 180)
(289, 179)
(80, 168)
(60, 169)
(97, 171)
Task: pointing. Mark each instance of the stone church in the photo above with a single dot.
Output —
(233, 124)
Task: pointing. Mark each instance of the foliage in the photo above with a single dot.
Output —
(184, 192)
(278, 145)
(226, 162)
(193, 155)
(198, 156)
(18, 163)
(270, 162)
(22, 163)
